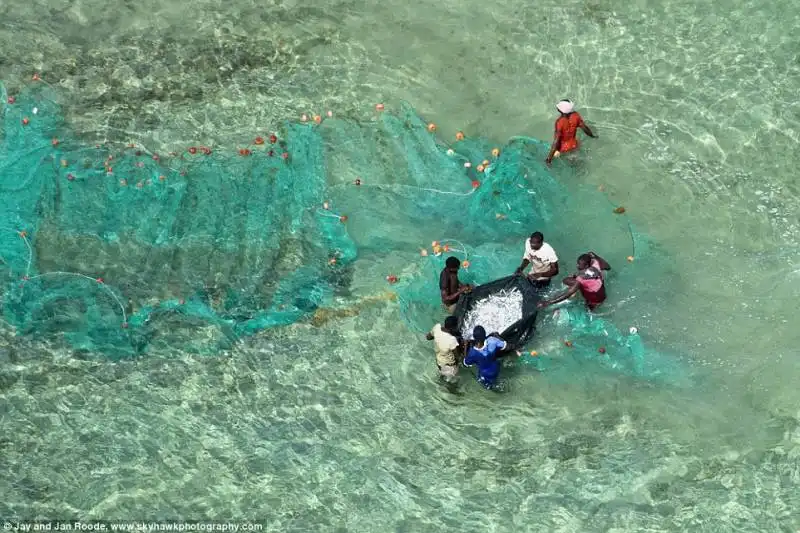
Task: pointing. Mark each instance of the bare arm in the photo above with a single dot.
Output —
(587, 130)
(554, 146)
(552, 271)
(603, 263)
(523, 266)
(449, 299)
(560, 298)
(463, 347)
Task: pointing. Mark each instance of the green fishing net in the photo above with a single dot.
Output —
(116, 249)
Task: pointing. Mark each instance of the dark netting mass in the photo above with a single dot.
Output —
(517, 333)
(116, 249)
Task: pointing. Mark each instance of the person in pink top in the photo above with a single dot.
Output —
(589, 280)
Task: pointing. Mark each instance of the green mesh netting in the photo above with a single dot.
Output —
(117, 249)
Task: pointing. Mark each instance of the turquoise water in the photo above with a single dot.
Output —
(341, 426)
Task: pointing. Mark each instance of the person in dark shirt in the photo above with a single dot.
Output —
(450, 287)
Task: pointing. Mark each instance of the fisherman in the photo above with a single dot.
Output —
(567, 124)
(543, 258)
(447, 344)
(450, 286)
(484, 354)
(589, 280)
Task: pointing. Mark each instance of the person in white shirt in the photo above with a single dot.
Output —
(543, 259)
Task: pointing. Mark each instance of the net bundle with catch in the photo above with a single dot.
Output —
(506, 306)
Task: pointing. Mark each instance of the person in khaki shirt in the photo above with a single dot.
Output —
(447, 345)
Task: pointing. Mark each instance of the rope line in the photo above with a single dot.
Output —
(84, 276)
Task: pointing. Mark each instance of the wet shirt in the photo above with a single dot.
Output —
(486, 360)
(566, 131)
(591, 279)
(591, 284)
(540, 259)
(445, 346)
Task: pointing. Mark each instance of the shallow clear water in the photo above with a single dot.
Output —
(341, 426)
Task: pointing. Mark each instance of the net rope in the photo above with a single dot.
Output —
(118, 249)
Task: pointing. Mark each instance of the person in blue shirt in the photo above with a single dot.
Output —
(484, 354)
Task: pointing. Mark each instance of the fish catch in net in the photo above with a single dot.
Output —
(496, 312)
(506, 306)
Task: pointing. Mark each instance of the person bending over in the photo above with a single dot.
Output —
(450, 287)
(484, 354)
(447, 344)
(589, 279)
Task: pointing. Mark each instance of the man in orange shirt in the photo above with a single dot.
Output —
(567, 125)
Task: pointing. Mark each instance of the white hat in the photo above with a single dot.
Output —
(565, 106)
